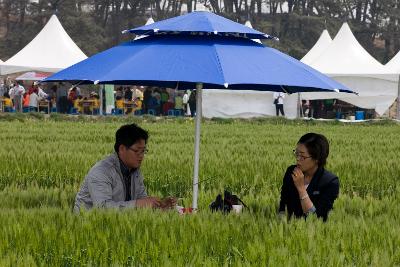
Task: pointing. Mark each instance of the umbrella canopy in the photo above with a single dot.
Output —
(199, 22)
(182, 61)
(33, 76)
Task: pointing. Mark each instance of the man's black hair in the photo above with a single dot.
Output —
(317, 146)
(128, 135)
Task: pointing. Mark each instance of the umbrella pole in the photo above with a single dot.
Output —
(199, 87)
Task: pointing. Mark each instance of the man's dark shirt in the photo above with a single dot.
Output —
(126, 173)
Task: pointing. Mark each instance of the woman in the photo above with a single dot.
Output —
(307, 186)
(72, 96)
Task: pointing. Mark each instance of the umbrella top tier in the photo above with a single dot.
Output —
(199, 23)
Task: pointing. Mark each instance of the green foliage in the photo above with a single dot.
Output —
(96, 25)
(44, 160)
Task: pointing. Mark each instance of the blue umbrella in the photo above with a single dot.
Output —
(218, 55)
(199, 23)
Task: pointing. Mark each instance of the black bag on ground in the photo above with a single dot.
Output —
(225, 204)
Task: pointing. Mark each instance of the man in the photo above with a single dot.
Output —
(40, 92)
(116, 181)
(192, 103)
(17, 92)
(146, 99)
(137, 93)
(185, 102)
(34, 100)
(278, 101)
(2, 88)
(62, 99)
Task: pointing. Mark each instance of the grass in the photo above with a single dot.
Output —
(44, 160)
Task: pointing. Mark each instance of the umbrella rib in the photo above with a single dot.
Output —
(284, 90)
(219, 66)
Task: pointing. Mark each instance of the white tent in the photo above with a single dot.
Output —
(248, 24)
(394, 64)
(319, 47)
(50, 51)
(244, 104)
(32, 76)
(149, 21)
(346, 61)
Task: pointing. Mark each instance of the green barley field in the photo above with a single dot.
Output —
(44, 160)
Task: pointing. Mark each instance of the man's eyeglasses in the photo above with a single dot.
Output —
(139, 152)
(299, 156)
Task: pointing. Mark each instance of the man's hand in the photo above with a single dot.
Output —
(168, 203)
(148, 202)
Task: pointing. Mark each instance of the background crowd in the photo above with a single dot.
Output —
(85, 100)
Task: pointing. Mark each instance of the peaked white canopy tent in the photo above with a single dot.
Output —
(148, 22)
(50, 51)
(248, 24)
(394, 63)
(319, 47)
(394, 66)
(346, 61)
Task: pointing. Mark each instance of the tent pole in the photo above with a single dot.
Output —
(398, 100)
(101, 99)
(199, 87)
(298, 106)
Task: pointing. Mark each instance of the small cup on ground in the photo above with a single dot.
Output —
(237, 208)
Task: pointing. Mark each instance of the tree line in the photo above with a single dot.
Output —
(96, 25)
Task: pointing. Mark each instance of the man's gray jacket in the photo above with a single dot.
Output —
(104, 186)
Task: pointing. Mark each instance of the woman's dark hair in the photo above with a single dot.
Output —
(128, 135)
(317, 146)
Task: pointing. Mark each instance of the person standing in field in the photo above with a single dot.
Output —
(116, 181)
(307, 186)
(278, 102)
(17, 93)
(192, 103)
(185, 102)
(2, 87)
(34, 100)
